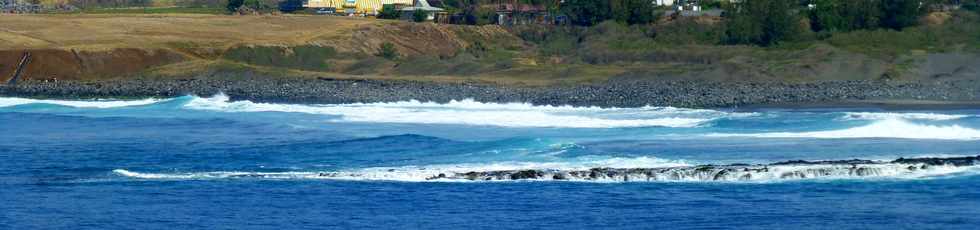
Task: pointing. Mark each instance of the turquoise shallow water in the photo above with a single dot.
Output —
(206, 162)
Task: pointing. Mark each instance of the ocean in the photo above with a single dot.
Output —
(211, 163)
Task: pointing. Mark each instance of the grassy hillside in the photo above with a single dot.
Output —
(85, 46)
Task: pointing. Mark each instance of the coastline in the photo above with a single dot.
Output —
(886, 95)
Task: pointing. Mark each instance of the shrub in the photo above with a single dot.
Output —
(388, 51)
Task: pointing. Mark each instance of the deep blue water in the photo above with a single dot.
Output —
(207, 163)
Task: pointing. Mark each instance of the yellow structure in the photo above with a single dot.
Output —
(355, 6)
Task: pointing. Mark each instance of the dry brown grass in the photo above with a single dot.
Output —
(88, 32)
(192, 44)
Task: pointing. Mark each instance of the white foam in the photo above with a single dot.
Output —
(469, 112)
(217, 175)
(421, 173)
(907, 116)
(451, 173)
(99, 104)
(888, 128)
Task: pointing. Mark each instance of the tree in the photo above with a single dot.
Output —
(973, 5)
(899, 14)
(633, 11)
(388, 11)
(420, 15)
(234, 4)
(845, 15)
(586, 12)
(848, 15)
(478, 16)
(290, 5)
(762, 22)
(590, 12)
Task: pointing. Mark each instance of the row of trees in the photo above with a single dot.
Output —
(762, 22)
(767, 22)
(848, 15)
(589, 12)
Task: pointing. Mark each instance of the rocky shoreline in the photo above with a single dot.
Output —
(614, 93)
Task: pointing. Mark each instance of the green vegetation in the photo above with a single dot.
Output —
(960, 32)
(633, 11)
(761, 22)
(973, 5)
(839, 15)
(233, 5)
(306, 57)
(849, 15)
(420, 15)
(589, 12)
(849, 39)
(388, 51)
(257, 5)
(388, 11)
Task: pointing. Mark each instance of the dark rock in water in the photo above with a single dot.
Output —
(472, 175)
(955, 161)
(732, 172)
(559, 176)
(525, 174)
(844, 162)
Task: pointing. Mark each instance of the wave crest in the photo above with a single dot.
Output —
(888, 128)
(906, 116)
(98, 104)
(469, 112)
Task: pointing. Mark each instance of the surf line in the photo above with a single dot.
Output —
(909, 168)
(787, 170)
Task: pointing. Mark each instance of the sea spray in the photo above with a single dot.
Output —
(469, 112)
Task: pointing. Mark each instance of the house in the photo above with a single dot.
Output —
(694, 8)
(663, 2)
(423, 5)
(353, 7)
(519, 14)
(13, 6)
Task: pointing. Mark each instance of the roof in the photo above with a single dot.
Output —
(422, 5)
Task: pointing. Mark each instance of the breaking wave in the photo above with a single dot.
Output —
(888, 128)
(469, 112)
(907, 116)
(99, 104)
